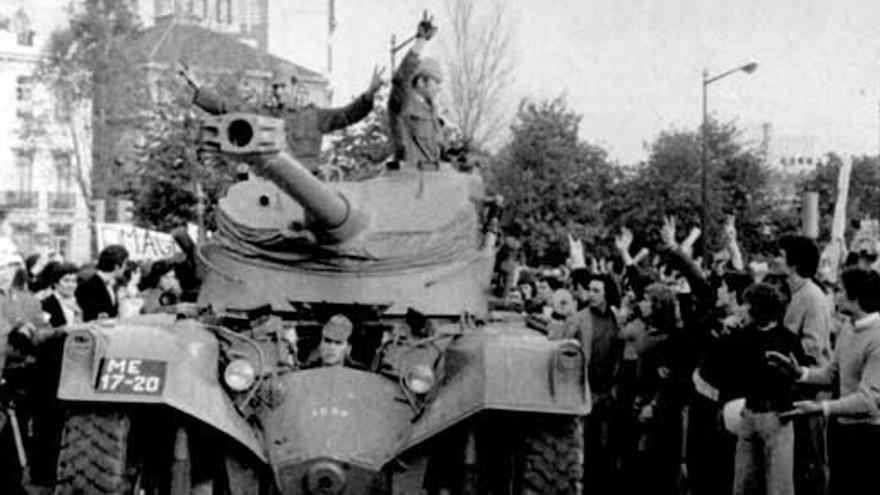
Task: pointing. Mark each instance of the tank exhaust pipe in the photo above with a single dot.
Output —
(260, 141)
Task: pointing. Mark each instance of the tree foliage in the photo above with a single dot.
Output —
(479, 63)
(169, 171)
(669, 183)
(864, 190)
(360, 151)
(90, 73)
(553, 183)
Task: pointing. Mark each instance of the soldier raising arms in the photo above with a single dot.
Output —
(304, 125)
(416, 129)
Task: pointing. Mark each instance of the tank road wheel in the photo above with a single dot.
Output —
(109, 451)
(94, 454)
(552, 459)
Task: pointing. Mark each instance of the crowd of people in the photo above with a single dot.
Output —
(723, 378)
(40, 296)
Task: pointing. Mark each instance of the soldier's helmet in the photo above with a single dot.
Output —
(284, 75)
(429, 67)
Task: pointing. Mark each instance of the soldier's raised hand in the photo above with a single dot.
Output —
(426, 29)
(377, 81)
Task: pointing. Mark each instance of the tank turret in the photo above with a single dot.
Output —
(406, 239)
(260, 141)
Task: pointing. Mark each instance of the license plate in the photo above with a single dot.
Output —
(131, 376)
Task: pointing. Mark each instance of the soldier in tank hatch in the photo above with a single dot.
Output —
(304, 124)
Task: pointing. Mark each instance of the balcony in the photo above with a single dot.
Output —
(19, 199)
(62, 200)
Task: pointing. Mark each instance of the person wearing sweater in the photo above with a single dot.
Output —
(855, 371)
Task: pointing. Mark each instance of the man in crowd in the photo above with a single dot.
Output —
(96, 294)
(809, 317)
(596, 328)
(304, 125)
(416, 129)
(855, 370)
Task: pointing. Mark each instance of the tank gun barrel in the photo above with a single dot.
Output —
(260, 141)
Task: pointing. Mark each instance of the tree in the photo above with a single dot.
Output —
(553, 184)
(864, 189)
(479, 67)
(168, 169)
(360, 151)
(669, 184)
(80, 60)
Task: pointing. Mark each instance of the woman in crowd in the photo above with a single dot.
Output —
(160, 288)
(60, 304)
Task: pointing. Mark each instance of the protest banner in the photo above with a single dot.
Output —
(142, 244)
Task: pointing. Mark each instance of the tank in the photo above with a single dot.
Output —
(438, 392)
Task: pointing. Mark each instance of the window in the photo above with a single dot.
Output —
(21, 23)
(24, 165)
(24, 95)
(63, 171)
(61, 237)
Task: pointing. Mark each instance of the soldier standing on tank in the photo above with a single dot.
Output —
(304, 125)
(416, 128)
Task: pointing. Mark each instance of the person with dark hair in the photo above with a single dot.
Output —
(96, 294)
(540, 303)
(653, 446)
(60, 305)
(160, 288)
(20, 318)
(596, 329)
(809, 316)
(764, 461)
(855, 371)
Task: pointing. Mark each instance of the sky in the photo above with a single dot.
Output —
(632, 68)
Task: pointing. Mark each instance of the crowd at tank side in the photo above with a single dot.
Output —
(725, 372)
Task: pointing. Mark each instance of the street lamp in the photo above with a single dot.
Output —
(704, 143)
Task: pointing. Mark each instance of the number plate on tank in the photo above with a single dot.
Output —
(131, 376)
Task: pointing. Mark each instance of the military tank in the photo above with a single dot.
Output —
(440, 394)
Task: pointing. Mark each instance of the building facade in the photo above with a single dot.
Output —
(789, 158)
(245, 20)
(40, 190)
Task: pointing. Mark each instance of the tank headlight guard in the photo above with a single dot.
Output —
(420, 379)
(239, 375)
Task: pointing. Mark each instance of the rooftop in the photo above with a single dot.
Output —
(168, 43)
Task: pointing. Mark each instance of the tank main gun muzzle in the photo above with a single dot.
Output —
(242, 134)
(261, 142)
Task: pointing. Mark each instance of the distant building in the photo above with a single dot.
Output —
(245, 20)
(210, 55)
(38, 168)
(790, 158)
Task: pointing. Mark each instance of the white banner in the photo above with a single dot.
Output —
(142, 244)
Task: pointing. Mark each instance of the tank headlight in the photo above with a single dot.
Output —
(569, 358)
(239, 375)
(420, 379)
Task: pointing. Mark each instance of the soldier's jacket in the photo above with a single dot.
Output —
(303, 126)
(416, 129)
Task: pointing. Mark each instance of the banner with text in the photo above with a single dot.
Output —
(142, 244)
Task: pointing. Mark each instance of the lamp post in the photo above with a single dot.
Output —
(704, 144)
